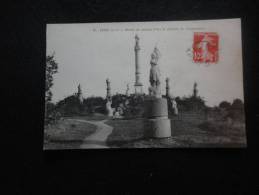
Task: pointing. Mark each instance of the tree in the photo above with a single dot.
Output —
(237, 104)
(237, 110)
(234, 111)
(69, 106)
(51, 69)
(225, 105)
(94, 104)
(190, 103)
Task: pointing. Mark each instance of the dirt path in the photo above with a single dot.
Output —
(97, 139)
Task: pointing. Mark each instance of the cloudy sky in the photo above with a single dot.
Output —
(90, 53)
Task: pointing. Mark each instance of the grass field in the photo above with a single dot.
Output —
(94, 117)
(66, 134)
(186, 132)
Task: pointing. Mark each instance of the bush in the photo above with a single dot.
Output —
(70, 106)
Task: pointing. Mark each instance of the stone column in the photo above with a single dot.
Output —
(108, 89)
(79, 94)
(167, 87)
(138, 85)
(195, 90)
(109, 109)
(158, 124)
(127, 90)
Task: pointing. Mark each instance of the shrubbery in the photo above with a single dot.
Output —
(190, 103)
(234, 111)
(71, 105)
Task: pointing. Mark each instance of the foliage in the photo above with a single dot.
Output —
(94, 104)
(118, 99)
(51, 69)
(190, 103)
(224, 105)
(50, 107)
(69, 106)
(135, 107)
(237, 104)
(234, 111)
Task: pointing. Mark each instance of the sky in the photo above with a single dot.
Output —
(89, 53)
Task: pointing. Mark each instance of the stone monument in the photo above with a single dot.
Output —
(127, 90)
(195, 90)
(172, 104)
(79, 94)
(109, 109)
(195, 106)
(138, 85)
(156, 109)
(108, 89)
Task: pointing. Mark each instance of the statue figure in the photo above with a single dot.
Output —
(174, 106)
(109, 109)
(154, 76)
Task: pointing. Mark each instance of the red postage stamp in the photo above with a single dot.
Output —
(205, 47)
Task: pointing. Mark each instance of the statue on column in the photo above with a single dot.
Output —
(154, 76)
(127, 90)
(156, 108)
(79, 94)
(108, 94)
(195, 90)
(109, 109)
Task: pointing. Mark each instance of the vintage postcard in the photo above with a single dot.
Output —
(173, 84)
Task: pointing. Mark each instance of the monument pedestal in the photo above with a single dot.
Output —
(110, 112)
(109, 109)
(158, 124)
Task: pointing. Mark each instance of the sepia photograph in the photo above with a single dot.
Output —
(164, 84)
